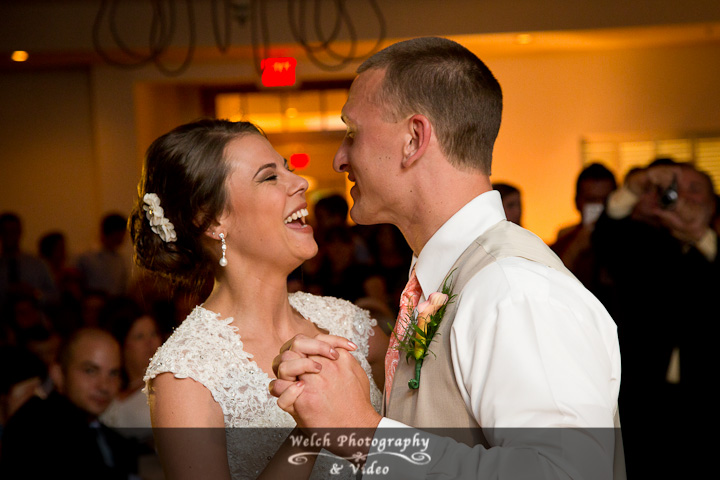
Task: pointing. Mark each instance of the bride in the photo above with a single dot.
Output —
(217, 200)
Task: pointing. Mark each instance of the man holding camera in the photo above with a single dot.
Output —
(657, 250)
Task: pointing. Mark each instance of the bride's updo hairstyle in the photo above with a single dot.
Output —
(186, 169)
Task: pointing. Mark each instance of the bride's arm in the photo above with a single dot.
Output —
(281, 465)
(189, 429)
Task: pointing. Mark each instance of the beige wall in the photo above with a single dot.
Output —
(72, 142)
(47, 170)
(552, 101)
(72, 138)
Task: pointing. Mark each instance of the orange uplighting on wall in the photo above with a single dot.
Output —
(523, 39)
(19, 56)
(299, 160)
(278, 72)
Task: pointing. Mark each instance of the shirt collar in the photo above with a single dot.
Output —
(451, 240)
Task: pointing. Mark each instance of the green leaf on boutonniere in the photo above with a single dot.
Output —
(423, 324)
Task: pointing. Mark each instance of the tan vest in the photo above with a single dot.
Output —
(437, 403)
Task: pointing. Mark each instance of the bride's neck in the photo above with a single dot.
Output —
(255, 301)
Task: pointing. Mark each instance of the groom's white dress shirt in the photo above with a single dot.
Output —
(531, 347)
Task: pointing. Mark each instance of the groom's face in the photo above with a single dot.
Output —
(370, 153)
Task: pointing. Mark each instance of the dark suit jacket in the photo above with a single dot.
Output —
(52, 438)
(663, 295)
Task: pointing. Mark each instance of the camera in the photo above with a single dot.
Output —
(668, 197)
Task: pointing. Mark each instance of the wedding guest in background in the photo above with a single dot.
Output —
(329, 217)
(390, 252)
(60, 436)
(65, 313)
(657, 244)
(20, 272)
(139, 338)
(52, 248)
(107, 269)
(511, 200)
(19, 383)
(572, 245)
(330, 211)
(91, 303)
(341, 273)
(44, 343)
(23, 314)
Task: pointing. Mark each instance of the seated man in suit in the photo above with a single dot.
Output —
(60, 436)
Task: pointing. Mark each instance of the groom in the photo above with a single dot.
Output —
(522, 348)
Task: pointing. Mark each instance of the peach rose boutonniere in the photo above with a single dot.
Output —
(423, 326)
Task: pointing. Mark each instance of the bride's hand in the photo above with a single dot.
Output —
(294, 360)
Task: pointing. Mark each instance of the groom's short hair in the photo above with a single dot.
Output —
(452, 87)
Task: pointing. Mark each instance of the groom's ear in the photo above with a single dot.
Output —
(417, 139)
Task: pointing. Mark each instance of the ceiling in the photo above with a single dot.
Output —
(496, 44)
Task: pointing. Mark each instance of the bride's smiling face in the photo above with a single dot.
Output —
(265, 218)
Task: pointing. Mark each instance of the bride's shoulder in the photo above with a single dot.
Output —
(200, 324)
(330, 311)
(197, 342)
(307, 302)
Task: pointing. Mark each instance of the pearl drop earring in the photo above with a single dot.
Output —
(223, 246)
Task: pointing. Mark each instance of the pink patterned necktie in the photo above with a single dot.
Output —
(408, 301)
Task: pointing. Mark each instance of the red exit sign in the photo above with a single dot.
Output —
(299, 160)
(278, 72)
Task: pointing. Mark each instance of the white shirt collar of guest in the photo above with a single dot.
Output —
(453, 237)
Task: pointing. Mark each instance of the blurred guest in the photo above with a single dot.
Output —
(44, 343)
(91, 303)
(107, 269)
(592, 188)
(52, 249)
(329, 217)
(341, 274)
(390, 253)
(511, 200)
(331, 212)
(22, 314)
(60, 436)
(20, 272)
(657, 245)
(65, 313)
(139, 338)
(21, 382)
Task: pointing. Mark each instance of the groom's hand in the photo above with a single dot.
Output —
(294, 359)
(336, 397)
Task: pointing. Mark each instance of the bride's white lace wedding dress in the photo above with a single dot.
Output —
(209, 350)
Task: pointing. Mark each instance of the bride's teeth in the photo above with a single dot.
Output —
(300, 214)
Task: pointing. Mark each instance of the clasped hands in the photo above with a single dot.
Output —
(321, 384)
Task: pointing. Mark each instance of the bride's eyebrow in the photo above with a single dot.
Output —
(267, 165)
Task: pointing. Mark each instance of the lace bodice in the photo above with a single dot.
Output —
(209, 350)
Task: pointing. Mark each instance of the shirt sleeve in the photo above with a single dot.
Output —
(404, 453)
(707, 245)
(533, 348)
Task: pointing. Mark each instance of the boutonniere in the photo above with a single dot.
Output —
(423, 325)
